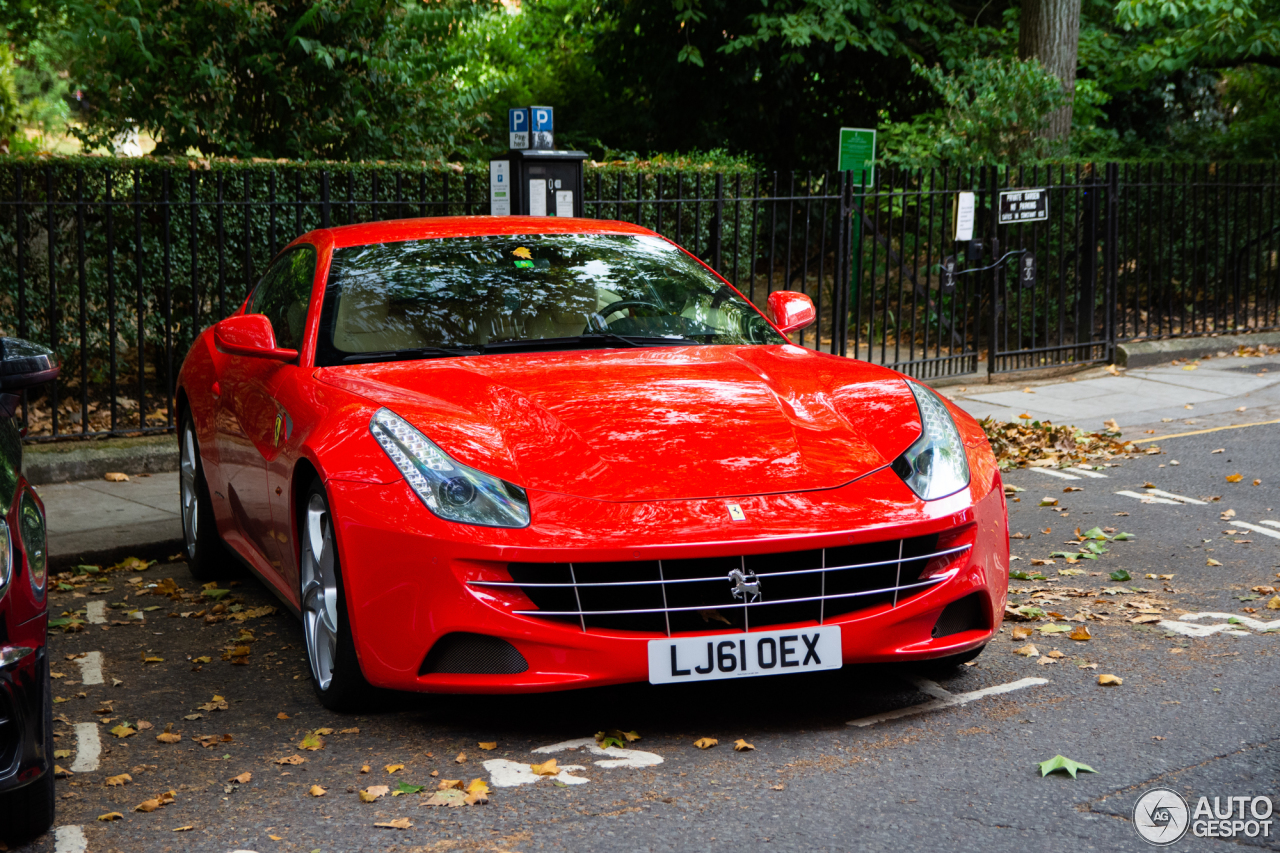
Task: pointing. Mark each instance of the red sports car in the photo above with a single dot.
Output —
(502, 454)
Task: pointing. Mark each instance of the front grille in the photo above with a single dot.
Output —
(475, 654)
(673, 596)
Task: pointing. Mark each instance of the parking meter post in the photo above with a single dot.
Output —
(855, 252)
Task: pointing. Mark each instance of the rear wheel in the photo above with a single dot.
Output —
(207, 555)
(28, 812)
(331, 650)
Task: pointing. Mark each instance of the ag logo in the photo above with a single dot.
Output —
(1161, 816)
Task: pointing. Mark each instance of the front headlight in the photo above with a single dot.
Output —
(935, 465)
(449, 489)
(32, 530)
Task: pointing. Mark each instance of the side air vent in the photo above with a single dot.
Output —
(967, 614)
(474, 654)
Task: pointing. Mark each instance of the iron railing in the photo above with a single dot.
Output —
(118, 267)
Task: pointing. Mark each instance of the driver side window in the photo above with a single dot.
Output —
(284, 294)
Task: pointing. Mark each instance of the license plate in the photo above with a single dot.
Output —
(740, 655)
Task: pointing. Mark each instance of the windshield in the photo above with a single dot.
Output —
(460, 295)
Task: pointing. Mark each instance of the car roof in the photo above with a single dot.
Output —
(426, 228)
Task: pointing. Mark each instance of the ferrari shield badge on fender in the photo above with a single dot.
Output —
(275, 439)
(736, 513)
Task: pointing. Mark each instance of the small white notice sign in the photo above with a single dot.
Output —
(962, 216)
(500, 187)
(538, 197)
(564, 202)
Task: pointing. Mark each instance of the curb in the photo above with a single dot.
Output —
(64, 461)
(160, 551)
(1150, 353)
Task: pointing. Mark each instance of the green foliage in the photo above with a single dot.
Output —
(332, 79)
(1204, 33)
(992, 112)
(8, 97)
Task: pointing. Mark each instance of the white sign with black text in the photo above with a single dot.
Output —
(1024, 206)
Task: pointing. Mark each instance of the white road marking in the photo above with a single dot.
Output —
(1054, 472)
(1224, 627)
(69, 839)
(1270, 523)
(1085, 472)
(509, 774)
(88, 748)
(931, 688)
(91, 668)
(1179, 498)
(1274, 534)
(1148, 499)
(96, 612)
(953, 700)
(615, 756)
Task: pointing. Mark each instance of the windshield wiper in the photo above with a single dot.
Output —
(411, 353)
(585, 341)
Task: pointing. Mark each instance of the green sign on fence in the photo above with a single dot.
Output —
(858, 153)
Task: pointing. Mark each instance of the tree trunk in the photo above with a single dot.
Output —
(1050, 32)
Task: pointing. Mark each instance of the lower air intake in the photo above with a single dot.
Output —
(967, 614)
(473, 654)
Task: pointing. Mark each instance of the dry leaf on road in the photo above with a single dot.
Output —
(123, 731)
(116, 781)
(446, 784)
(1021, 632)
(312, 742)
(242, 779)
(317, 791)
(392, 768)
(1109, 680)
(373, 792)
(115, 477)
(1212, 562)
(292, 759)
(741, 745)
(1028, 651)
(398, 823)
(1234, 478)
(110, 816)
(1080, 634)
(705, 743)
(489, 744)
(547, 768)
(461, 759)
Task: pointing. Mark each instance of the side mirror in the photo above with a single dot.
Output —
(791, 311)
(252, 335)
(23, 364)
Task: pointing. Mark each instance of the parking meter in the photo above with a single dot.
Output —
(536, 182)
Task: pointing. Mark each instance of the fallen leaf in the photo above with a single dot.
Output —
(62, 753)
(1120, 575)
(115, 477)
(1048, 501)
(117, 781)
(1061, 762)
(478, 786)
(282, 716)
(292, 759)
(242, 779)
(312, 741)
(452, 798)
(434, 773)
(741, 745)
(778, 787)
(1028, 651)
(123, 731)
(461, 758)
(153, 659)
(1021, 632)
(364, 768)
(1055, 654)
(1111, 424)
(522, 252)
(1257, 482)
(60, 772)
(1108, 680)
(1212, 562)
(373, 792)
(488, 744)
(351, 731)
(398, 823)
(169, 737)
(1080, 634)
(1054, 629)
(1274, 604)
(1088, 666)
(406, 788)
(109, 816)
(1046, 661)
(188, 828)
(155, 802)
(324, 731)
(446, 784)
(317, 791)
(392, 768)
(547, 768)
(1073, 489)
(705, 743)
(143, 725)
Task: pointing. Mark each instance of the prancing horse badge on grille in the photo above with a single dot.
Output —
(736, 513)
(745, 585)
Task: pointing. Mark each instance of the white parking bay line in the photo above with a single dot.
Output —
(1180, 498)
(1084, 472)
(69, 839)
(91, 668)
(1271, 523)
(950, 700)
(88, 748)
(1054, 472)
(96, 612)
(1148, 499)
(1274, 534)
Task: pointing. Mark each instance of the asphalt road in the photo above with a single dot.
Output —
(1196, 714)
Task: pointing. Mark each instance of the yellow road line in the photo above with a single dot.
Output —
(1203, 431)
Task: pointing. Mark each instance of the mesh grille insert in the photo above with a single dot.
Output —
(473, 654)
(967, 614)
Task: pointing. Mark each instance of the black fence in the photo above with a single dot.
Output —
(118, 266)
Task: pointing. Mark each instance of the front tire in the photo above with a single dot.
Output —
(331, 649)
(27, 813)
(207, 555)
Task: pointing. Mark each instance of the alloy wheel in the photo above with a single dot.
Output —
(319, 591)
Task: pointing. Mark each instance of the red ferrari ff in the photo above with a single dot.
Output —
(513, 454)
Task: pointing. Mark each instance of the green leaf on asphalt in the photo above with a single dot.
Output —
(1069, 555)
(1120, 575)
(1123, 537)
(1234, 620)
(1054, 629)
(88, 570)
(1095, 533)
(1252, 596)
(215, 594)
(1061, 762)
(1025, 576)
(1096, 548)
(406, 788)
(1031, 612)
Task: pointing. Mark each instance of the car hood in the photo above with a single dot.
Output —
(656, 423)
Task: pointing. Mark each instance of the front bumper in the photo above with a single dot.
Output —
(22, 710)
(406, 574)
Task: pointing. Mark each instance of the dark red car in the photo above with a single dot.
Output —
(500, 454)
(26, 704)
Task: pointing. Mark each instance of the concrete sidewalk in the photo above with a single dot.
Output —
(97, 521)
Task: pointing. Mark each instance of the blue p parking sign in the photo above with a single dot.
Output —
(518, 127)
